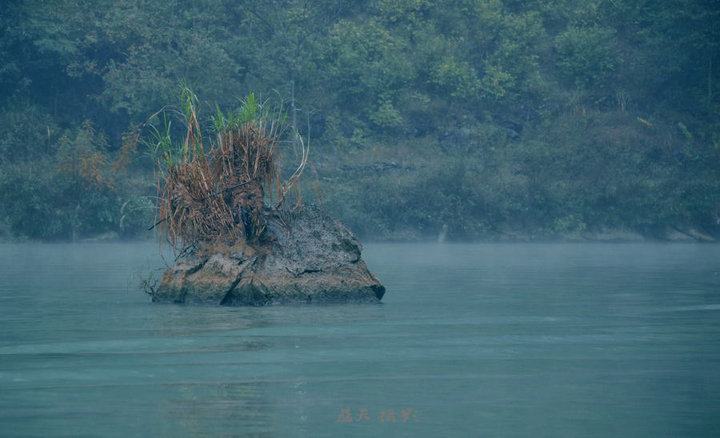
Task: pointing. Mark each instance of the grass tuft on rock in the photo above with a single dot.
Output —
(218, 192)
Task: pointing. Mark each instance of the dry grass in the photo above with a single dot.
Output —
(219, 195)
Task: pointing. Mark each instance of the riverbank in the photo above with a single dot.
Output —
(669, 235)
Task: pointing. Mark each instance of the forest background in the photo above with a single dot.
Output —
(471, 119)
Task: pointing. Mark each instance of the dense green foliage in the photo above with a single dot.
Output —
(485, 118)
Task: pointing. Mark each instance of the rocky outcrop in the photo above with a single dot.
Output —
(303, 257)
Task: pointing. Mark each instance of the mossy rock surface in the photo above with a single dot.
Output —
(304, 256)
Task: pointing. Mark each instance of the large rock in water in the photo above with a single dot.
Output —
(305, 257)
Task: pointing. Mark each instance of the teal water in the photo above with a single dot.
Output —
(510, 340)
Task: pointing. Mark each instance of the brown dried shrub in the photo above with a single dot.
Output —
(219, 195)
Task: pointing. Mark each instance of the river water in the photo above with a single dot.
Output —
(487, 340)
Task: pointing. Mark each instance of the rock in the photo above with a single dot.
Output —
(110, 236)
(700, 236)
(687, 234)
(674, 235)
(304, 257)
(614, 235)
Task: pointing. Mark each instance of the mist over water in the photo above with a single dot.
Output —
(511, 340)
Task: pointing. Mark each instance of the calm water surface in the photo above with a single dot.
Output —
(557, 340)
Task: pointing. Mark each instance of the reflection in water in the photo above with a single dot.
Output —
(218, 410)
(495, 340)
